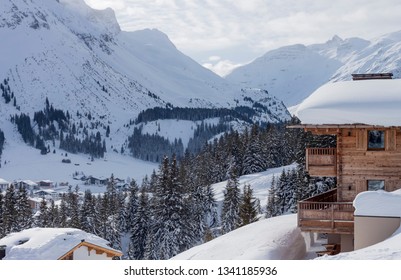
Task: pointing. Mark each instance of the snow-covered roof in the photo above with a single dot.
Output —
(46, 243)
(3, 182)
(371, 102)
(378, 203)
(28, 182)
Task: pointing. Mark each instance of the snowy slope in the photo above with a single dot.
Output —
(70, 52)
(81, 60)
(292, 73)
(279, 238)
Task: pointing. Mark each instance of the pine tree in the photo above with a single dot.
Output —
(74, 221)
(24, 211)
(140, 227)
(249, 207)
(88, 212)
(53, 215)
(42, 217)
(272, 205)
(2, 233)
(230, 218)
(10, 213)
(63, 212)
(132, 205)
(169, 234)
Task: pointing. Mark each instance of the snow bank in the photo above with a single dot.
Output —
(276, 238)
(389, 249)
(374, 102)
(378, 203)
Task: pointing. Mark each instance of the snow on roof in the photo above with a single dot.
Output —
(3, 182)
(378, 203)
(46, 243)
(372, 102)
(28, 182)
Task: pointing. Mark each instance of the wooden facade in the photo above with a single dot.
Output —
(356, 166)
(90, 247)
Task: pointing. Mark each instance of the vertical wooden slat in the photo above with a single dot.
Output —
(361, 186)
(390, 144)
(362, 139)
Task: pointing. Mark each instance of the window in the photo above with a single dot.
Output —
(374, 185)
(376, 139)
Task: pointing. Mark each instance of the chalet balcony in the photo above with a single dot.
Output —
(322, 213)
(321, 162)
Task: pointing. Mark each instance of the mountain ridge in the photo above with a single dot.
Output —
(301, 69)
(76, 60)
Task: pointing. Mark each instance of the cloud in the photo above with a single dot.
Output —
(256, 25)
(221, 67)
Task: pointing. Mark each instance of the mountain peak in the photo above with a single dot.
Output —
(335, 40)
(105, 19)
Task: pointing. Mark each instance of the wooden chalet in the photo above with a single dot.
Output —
(87, 250)
(367, 157)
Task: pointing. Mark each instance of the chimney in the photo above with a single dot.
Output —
(372, 76)
(2, 251)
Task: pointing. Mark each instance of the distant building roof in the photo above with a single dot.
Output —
(371, 102)
(3, 182)
(49, 243)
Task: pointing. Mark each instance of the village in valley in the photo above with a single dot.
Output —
(52, 191)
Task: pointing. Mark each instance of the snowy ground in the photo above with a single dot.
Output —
(259, 182)
(279, 238)
(26, 163)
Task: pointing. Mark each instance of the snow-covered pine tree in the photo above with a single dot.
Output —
(132, 205)
(88, 212)
(230, 218)
(63, 212)
(10, 213)
(249, 206)
(25, 219)
(42, 216)
(74, 219)
(169, 233)
(1, 215)
(53, 214)
(254, 160)
(272, 208)
(139, 227)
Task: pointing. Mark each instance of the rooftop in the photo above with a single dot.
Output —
(371, 102)
(46, 243)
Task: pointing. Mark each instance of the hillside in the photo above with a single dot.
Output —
(73, 81)
(292, 73)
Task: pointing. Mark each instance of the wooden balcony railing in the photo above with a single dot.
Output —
(321, 162)
(323, 214)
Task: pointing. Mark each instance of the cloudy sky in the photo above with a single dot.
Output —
(221, 34)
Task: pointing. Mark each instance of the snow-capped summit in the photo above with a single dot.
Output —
(292, 73)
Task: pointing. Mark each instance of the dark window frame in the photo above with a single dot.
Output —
(376, 181)
(383, 138)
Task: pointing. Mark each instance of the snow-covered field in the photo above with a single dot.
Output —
(26, 163)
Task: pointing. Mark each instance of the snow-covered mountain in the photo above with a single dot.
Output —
(292, 73)
(76, 59)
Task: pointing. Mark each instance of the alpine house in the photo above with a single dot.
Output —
(365, 116)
